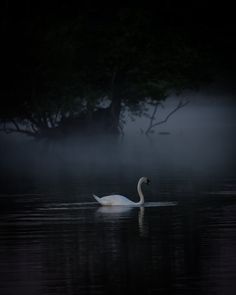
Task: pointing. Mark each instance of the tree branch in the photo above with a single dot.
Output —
(34, 128)
(5, 128)
(152, 118)
(180, 105)
(16, 125)
(11, 130)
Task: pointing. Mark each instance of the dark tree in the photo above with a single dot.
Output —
(76, 74)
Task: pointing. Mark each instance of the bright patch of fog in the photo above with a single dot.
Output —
(197, 140)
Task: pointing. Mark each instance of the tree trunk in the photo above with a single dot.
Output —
(115, 113)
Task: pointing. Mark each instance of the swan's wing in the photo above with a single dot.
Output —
(107, 200)
(115, 200)
(97, 199)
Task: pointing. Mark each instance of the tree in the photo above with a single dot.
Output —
(80, 73)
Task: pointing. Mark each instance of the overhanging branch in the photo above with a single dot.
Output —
(16, 129)
(180, 105)
(11, 130)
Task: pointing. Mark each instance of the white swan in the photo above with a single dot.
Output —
(118, 200)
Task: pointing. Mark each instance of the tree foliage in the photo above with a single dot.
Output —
(76, 74)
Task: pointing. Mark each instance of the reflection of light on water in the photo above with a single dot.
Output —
(68, 206)
(160, 204)
(230, 193)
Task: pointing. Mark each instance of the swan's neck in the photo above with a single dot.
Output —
(140, 193)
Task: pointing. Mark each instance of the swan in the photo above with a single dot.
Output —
(118, 200)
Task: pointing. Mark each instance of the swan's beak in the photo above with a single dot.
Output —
(148, 181)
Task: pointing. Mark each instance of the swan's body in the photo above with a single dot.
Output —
(112, 200)
(118, 200)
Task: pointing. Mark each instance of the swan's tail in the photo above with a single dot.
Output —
(96, 198)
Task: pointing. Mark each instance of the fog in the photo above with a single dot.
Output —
(197, 141)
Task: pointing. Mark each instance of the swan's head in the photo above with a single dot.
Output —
(145, 180)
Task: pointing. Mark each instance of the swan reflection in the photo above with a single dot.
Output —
(119, 213)
(143, 228)
(114, 209)
(116, 214)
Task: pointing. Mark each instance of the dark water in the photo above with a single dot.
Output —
(54, 239)
(53, 244)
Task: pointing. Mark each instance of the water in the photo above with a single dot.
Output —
(51, 243)
(55, 239)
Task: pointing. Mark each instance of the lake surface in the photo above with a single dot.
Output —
(53, 244)
(55, 239)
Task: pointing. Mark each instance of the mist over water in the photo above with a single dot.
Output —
(195, 147)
